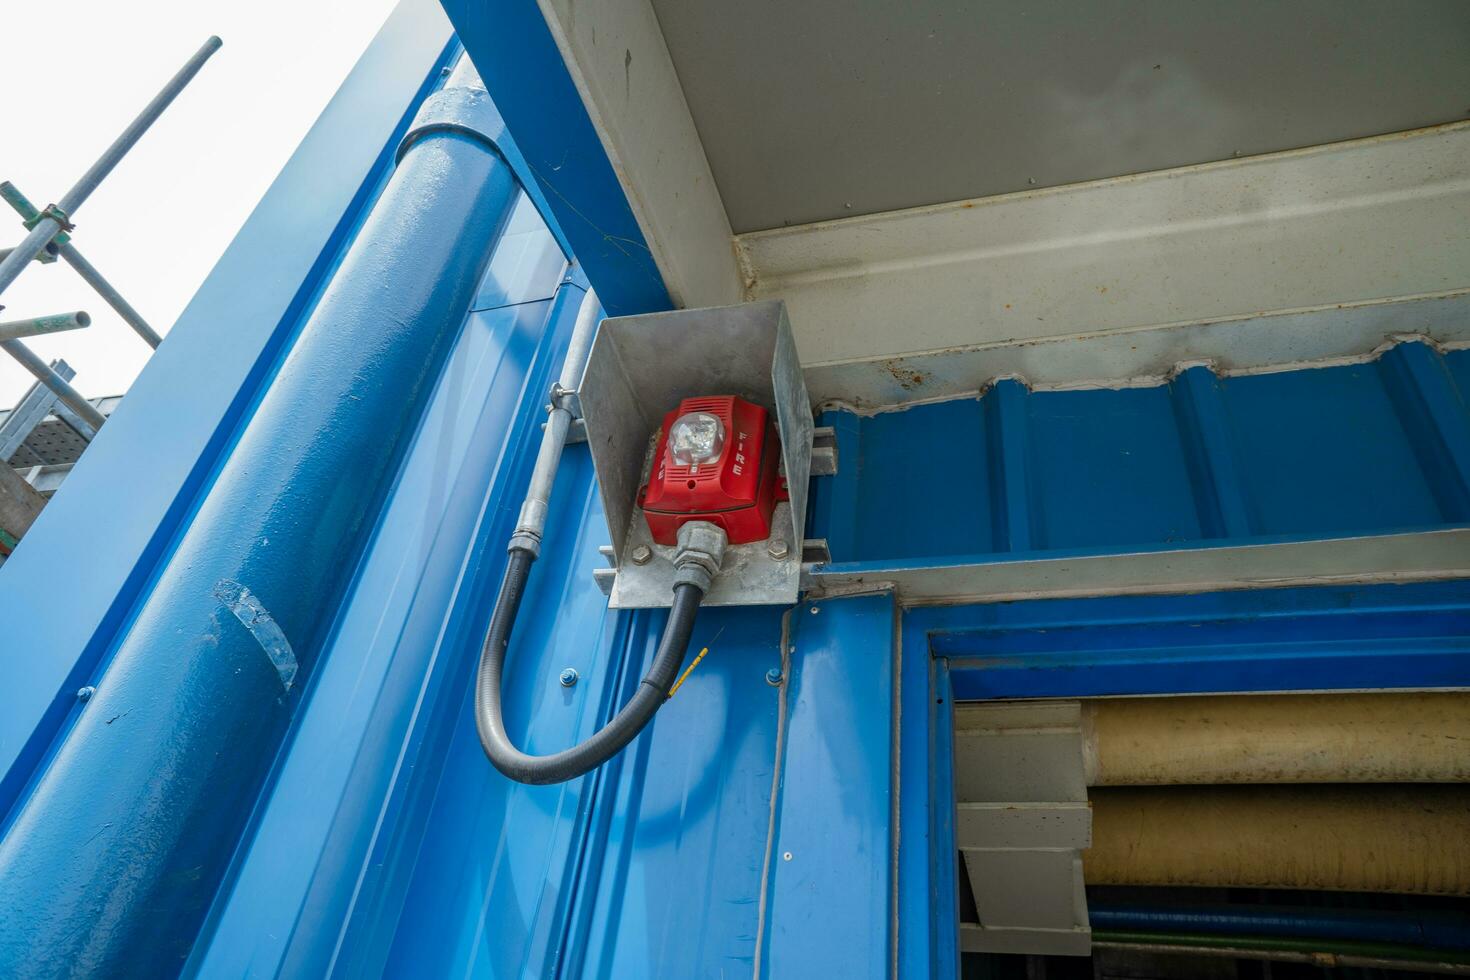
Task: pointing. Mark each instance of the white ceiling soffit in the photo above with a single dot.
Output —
(802, 109)
(825, 109)
(1270, 260)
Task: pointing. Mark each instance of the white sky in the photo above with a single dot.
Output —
(156, 226)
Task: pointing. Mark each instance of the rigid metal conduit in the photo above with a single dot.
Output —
(691, 584)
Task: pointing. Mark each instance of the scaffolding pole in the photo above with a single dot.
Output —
(56, 219)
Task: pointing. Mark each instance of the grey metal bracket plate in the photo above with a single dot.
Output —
(749, 576)
(639, 368)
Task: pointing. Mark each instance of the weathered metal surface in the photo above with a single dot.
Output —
(1106, 282)
(1379, 737)
(1396, 839)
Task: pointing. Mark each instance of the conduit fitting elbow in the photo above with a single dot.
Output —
(701, 552)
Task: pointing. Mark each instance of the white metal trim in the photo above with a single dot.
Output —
(616, 55)
(1118, 278)
(1388, 558)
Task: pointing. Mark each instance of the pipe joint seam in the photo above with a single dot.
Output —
(462, 110)
(525, 541)
(700, 555)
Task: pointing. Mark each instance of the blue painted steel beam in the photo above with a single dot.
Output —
(517, 57)
(117, 851)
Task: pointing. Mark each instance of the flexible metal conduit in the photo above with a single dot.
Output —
(525, 546)
(114, 857)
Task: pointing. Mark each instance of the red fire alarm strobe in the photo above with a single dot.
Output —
(716, 461)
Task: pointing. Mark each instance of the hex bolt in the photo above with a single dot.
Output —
(774, 677)
(642, 554)
(778, 548)
(85, 693)
(568, 677)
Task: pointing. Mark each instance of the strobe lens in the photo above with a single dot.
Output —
(695, 438)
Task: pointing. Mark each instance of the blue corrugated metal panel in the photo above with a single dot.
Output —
(1435, 419)
(490, 871)
(1109, 469)
(309, 872)
(1324, 452)
(1355, 449)
(673, 869)
(1458, 364)
(664, 862)
(829, 896)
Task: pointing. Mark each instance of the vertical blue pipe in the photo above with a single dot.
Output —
(114, 858)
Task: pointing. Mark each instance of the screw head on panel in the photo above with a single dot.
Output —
(568, 677)
(774, 677)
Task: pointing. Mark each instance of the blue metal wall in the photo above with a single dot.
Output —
(1336, 451)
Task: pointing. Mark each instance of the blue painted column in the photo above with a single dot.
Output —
(113, 859)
